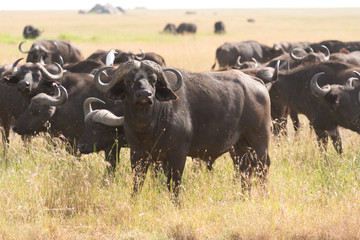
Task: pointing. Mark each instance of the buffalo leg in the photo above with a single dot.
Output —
(139, 166)
(295, 119)
(336, 139)
(242, 158)
(322, 138)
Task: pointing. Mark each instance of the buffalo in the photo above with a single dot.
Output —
(103, 131)
(31, 32)
(49, 51)
(170, 28)
(62, 111)
(337, 46)
(219, 27)
(293, 88)
(186, 28)
(227, 53)
(170, 114)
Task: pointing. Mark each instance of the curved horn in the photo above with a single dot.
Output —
(327, 52)
(107, 118)
(20, 47)
(276, 71)
(238, 62)
(357, 74)
(179, 77)
(350, 81)
(14, 68)
(294, 57)
(254, 60)
(142, 57)
(87, 105)
(52, 76)
(55, 50)
(51, 100)
(309, 49)
(316, 90)
(103, 87)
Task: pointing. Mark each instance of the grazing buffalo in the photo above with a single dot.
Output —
(227, 54)
(186, 28)
(31, 32)
(170, 28)
(219, 27)
(50, 51)
(292, 88)
(171, 114)
(103, 131)
(337, 46)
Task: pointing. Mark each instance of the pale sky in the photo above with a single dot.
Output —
(177, 4)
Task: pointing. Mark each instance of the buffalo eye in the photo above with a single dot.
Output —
(152, 78)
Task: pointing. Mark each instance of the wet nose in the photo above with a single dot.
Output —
(143, 94)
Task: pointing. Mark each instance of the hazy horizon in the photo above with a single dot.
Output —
(185, 4)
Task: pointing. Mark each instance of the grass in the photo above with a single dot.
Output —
(45, 193)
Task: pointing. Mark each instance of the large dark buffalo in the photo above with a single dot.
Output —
(227, 54)
(186, 28)
(50, 51)
(343, 100)
(31, 32)
(62, 112)
(219, 27)
(103, 131)
(293, 89)
(170, 28)
(171, 114)
(337, 46)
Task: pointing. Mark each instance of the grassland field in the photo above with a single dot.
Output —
(45, 193)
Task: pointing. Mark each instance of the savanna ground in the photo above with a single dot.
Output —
(45, 193)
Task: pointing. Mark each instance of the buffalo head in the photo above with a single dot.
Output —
(140, 83)
(101, 128)
(41, 109)
(32, 78)
(343, 100)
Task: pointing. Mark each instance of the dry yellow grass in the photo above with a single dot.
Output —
(47, 194)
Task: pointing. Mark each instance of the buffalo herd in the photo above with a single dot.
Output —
(164, 114)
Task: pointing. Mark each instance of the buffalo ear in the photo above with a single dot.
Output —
(117, 92)
(9, 80)
(165, 94)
